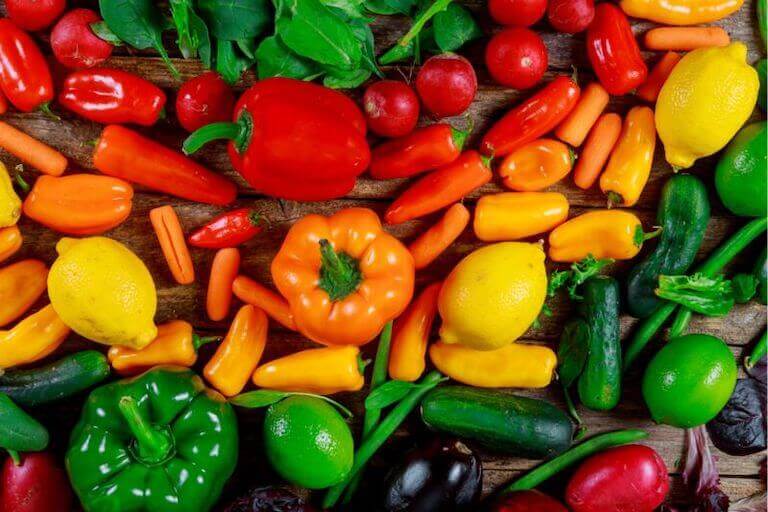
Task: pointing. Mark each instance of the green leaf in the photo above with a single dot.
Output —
(352, 9)
(744, 287)
(388, 393)
(248, 47)
(454, 27)
(699, 293)
(266, 397)
(342, 79)
(229, 62)
(557, 279)
(233, 20)
(193, 37)
(387, 7)
(364, 35)
(273, 58)
(573, 351)
(397, 53)
(101, 30)
(575, 277)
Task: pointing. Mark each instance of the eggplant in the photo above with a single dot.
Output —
(269, 499)
(443, 475)
(739, 429)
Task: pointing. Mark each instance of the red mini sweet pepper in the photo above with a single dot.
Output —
(25, 78)
(112, 96)
(613, 51)
(293, 140)
(229, 229)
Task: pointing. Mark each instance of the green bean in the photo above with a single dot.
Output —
(758, 351)
(680, 322)
(646, 331)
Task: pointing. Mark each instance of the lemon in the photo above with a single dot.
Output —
(708, 96)
(493, 295)
(103, 292)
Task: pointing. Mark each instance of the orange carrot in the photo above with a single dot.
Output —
(31, 151)
(597, 149)
(226, 264)
(172, 242)
(685, 38)
(650, 89)
(576, 126)
(273, 304)
(437, 238)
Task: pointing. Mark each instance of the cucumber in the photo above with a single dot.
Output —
(19, 431)
(683, 215)
(499, 421)
(60, 379)
(761, 274)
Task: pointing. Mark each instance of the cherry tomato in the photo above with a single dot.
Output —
(391, 108)
(34, 14)
(446, 85)
(37, 484)
(203, 100)
(516, 57)
(570, 16)
(73, 42)
(517, 13)
(528, 501)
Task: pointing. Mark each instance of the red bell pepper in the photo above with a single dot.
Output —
(613, 51)
(228, 230)
(537, 115)
(25, 78)
(125, 154)
(293, 140)
(111, 96)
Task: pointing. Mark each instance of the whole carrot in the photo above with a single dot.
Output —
(685, 38)
(274, 305)
(431, 244)
(226, 264)
(31, 151)
(600, 142)
(576, 126)
(650, 89)
(174, 247)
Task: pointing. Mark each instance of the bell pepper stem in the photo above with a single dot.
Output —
(153, 445)
(339, 272)
(239, 133)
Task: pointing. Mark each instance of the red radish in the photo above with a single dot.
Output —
(528, 501)
(446, 84)
(516, 57)
(203, 100)
(34, 14)
(37, 484)
(517, 13)
(570, 16)
(391, 108)
(73, 42)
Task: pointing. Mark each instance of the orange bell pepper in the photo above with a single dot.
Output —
(411, 335)
(79, 204)
(21, 284)
(273, 304)
(323, 371)
(628, 169)
(343, 276)
(10, 242)
(32, 339)
(516, 215)
(173, 244)
(239, 354)
(536, 165)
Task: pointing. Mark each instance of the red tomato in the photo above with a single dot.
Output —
(73, 42)
(37, 484)
(516, 57)
(570, 16)
(34, 14)
(631, 478)
(446, 85)
(528, 501)
(391, 108)
(518, 13)
(203, 100)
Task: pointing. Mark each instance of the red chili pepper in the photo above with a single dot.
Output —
(125, 154)
(613, 51)
(228, 230)
(440, 188)
(111, 96)
(24, 75)
(421, 150)
(533, 118)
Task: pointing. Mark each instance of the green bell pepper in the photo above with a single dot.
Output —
(159, 442)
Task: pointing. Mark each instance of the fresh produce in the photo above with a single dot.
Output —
(203, 100)
(74, 43)
(516, 215)
(685, 38)
(445, 475)
(34, 14)
(79, 204)
(516, 57)
(36, 483)
(527, 501)
(631, 477)
(20, 432)
(224, 269)
(10, 204)
(273, 304)
(21, 284)
(493, 295)
(446, 85)
(612, 234)
(739, 428)
(423, 149)
(25, 79)
(101, 271)
(170, 236)
(517, 13)
(229, 229)
(576, 126)
(649, 90)
(597, 149)
(438, 237)
(680, 12)
(269, 499)
(742, 172)
(536, 165)
(693, 118)
(761, 20)
(704, 295)
(499, 421)
(760, 272)
(762, 74)
(31, 151)
(570, 16)
(33, 338)
(578, 274)
(683, 214)
(391, 108)
(410, 336)
(689, 380)
(167, 430)
(10, 242)
(700, 473)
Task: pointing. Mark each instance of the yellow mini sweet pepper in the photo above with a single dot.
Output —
(10, 204)
(21, 284)
(411, 335)
(32, 339)
(10, 242)
(680, 12)
(516, 215)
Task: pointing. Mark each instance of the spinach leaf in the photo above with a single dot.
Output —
(275, 59)
(343, 79)
(229, 62)
(362, 31)
(248, 47)
(101, 30)
(454, 27)
(744, 287)
(699, 293)
(352, 9)
(193, 38)
(573, 351)
(387, 7)
(232, 20)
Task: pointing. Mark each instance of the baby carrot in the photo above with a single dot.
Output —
(31, 151)
(411, 335)
(10, 242)
(650, 89)
(597, 149)
(685, 38)
(273, 304)
(172, 242)
(576, 126)
(437, 238)
(226, 264)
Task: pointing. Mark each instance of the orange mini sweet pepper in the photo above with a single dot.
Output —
(21, 284)
(536, 165)
(170, 235)
(343, 276)
(411, 335)
(10, 242)
(32, 339)
(516, 215)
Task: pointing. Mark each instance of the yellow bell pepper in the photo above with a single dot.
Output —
(21, 284)
(10, 204)
(613, 234)
(516, 215)
(680, 12)
(32, 339)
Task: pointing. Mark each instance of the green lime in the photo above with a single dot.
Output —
(742, 172)
(689, 380)
(308, 442)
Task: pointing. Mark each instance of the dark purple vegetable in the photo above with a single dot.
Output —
(739, 429)
(269, 499)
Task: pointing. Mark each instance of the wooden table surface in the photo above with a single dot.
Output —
(71, 135)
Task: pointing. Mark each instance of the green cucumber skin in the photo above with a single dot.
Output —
(18, 430)
(499, 421)
(761, 274)
(60, 379)
(599, 385)
(683, 215)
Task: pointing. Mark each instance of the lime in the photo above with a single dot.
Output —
(689, 380)
(742, 173)
(308, 442)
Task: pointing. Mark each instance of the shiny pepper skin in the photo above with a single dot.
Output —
(516, 215)
(25, 78)
(613, 234)
(680, 12)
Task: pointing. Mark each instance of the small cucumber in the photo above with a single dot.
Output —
(761, 274)
(500, 421)
(18, 430)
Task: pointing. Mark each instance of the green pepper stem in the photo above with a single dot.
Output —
(15, 456)
(153, 445)
(45, 108)
(459, 137)
(199, 341)
(339, 273)
(239, 133)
